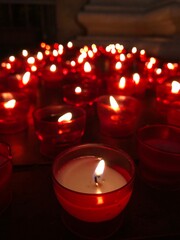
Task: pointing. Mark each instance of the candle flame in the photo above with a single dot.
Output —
(87, 67)
(26, 78)
(122, 82)
(55, 53)
(11, 58)
(118, 65)
(10, 104)
(113, 103)
(78, 90)
(175, 87)
(69, 44)
(136, 78)
(122, 57)
(31, 60)
(100, 168)
(53, 68)
(134, 50)
(39, 56)
(158, 71)
(142, 52)
(65, 117)
(24, 53)
(170, 66)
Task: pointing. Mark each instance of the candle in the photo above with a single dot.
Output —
(159, 154)
(173, 114)
(5, 176)
(58, 126)
(88, 193)
(14, 107)
(118, 115)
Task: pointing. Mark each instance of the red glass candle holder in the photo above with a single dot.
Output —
(5, 176)
(83, 93)
(78, 192)
(118, 122)
(159, 156)
(118, 84)
(51, 75)
(165, 95)
(173, 114)
(54, 134)
(14, 107)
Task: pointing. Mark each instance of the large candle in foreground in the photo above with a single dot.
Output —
(5, 176)
(88, 193)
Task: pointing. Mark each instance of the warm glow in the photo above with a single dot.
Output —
(122, 57)
(142, 52)
(175, 87)
(60, 49)
(100, 200)
(66, 117)
(55, 53)
(39, 56)
(136, 78)
(122, 82)
(94, 48)
(118, 65)
(170, 66)
(33, 68)
(90, 53)
(73, 63)
(24, 53)
(134, 50)
(47, 52)
(158, 71)
(11, 58)
(149, 65)
(153, 60)
(43, 45)
(10, 104)
(87, 67)
(70, 44)
(8, 66)
(53, 68)
(100, 168)
(26, 78)
(113, 103)
(80, 58)
(78, 90)
(31, 60)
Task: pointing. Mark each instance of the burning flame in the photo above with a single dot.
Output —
(113, 103)
(122, 57)
(31, 60)
(87, 67)
(26, 78)
(53, 68)
(24, 53)
(136, 78)
(70, 44)
(39, 56)
(122, 82)
(118, 65)
(134, 50)
(78, 90)
(65, 117)
(11, 58)
(158, 71)
(10, 104)
(175, 87)
(55, 53)
(100, 168)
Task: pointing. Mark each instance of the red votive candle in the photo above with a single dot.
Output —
(51, 75)
(14, 107)
(118, 115)
(82, 93)
(58, 126)
(5, 176)
(159, 155)
(93, 182)
(166, 93)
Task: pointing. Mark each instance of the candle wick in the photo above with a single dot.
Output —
(96, 180)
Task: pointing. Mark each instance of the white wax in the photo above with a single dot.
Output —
(78, 175)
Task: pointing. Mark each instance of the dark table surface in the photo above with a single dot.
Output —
(35, 213)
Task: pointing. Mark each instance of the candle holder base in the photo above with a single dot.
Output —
(92, 230)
